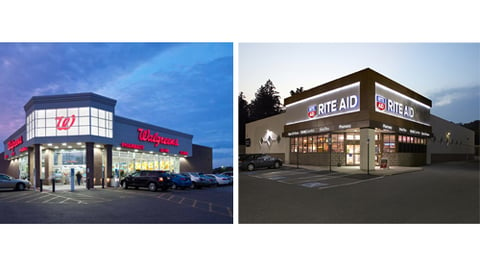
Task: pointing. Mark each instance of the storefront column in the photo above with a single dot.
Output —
(367, 149)
(108, 167)
(37, 164)
(90, 163)
(31, 163)
(48, 161)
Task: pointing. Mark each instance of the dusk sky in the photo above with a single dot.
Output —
(446, 73)
(187, 87)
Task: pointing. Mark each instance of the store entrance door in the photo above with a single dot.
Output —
(353, 154)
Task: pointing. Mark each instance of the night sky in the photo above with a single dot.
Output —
(446, 73)
(187, 87)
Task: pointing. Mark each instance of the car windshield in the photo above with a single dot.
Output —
(5, 177)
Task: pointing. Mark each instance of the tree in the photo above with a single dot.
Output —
(243, 117)
(298, 91)
(266, 102)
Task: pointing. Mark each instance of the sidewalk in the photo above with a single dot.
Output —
(356, 169)
(63, 188)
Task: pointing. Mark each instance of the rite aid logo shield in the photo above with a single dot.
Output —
(381, 103)
(312, 111)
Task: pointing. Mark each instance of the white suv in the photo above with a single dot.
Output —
(197, 180)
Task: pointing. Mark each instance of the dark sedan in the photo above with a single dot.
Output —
(252, 162)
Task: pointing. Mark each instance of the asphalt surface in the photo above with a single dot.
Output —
(118, 206)
(441, 193)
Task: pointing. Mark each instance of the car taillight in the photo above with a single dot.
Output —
(160, 179)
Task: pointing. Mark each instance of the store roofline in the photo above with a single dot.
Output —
(70, 98)
(351, 78)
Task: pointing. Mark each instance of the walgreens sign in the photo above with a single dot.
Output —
(145, 135)
(14, 143)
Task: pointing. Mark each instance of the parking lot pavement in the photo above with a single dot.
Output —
(318, 179)
(61, 197)
(439, 193)
(116, 205)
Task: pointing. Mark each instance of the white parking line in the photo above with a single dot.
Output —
(79, 201)
(53, 198)
(38, 198)
(352, 183)
(64, 200)
(313, 178)
(16, 196)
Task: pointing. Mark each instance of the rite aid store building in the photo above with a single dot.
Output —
(81, 131)
(359, 120)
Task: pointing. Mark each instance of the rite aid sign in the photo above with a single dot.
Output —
(338, 101)
(390, 102)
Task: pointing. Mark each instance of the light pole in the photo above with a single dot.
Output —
(330, 151)
(298, 149)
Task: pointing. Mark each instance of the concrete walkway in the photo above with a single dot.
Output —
(356, 169)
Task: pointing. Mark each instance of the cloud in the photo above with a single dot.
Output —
(444, 100)
(50, 88)
(448, 96)
(459, 105)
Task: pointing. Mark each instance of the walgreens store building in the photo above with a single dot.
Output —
(82, 132)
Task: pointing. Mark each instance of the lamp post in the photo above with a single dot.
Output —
(330, 151)
(298, 149)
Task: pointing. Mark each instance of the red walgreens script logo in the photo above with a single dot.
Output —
(64, 123)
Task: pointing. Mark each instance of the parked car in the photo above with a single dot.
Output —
(221, 179)
(197, 180)
(229, 173)
(8, 182)
(152, 180)
(211, 179)
(230, 178)
(252, 162)
(180, 181)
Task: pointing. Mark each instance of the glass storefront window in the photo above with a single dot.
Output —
(129, 162)
(23, 167)
(338, 142)
(388, 143)
(294, 144)
(317, 144)
(65, 160)
(69, 122)
(353, 136)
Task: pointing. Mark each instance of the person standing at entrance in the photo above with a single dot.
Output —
(79, 177)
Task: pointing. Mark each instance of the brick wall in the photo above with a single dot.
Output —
(318, 159)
